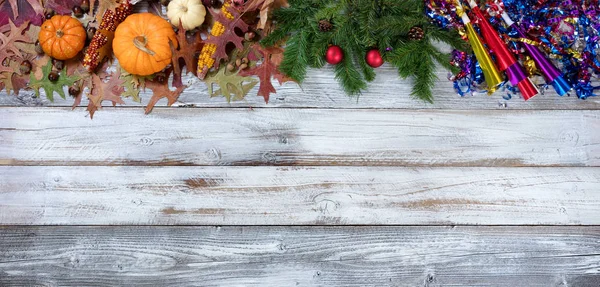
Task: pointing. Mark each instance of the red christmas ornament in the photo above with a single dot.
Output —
(374, 58)
(334, 55)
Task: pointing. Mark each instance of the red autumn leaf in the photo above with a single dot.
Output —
(105, 91)
(266, 70)
(229, 36)
(161, 90)
(21, 11)
(185, 52)
(63, 7)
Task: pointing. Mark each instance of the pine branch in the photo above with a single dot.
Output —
(295, 60)
(425, 79)
(349, 77)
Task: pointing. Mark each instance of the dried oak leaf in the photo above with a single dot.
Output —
(229, 36)
(265, 7)
(266, 70)
(50, 87)
(161, 90)
(21, 11)
(185, 53)
(231, 86)
(132, 86)
(8, 48)
(110, 90)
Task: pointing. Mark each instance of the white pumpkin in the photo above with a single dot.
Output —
(191, 13)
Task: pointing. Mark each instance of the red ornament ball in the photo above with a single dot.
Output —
(374, 58)
(334, 55)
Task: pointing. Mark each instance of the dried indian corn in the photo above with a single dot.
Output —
(101, 45)
(207, 59)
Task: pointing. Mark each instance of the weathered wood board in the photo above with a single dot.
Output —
(321, 90)
(300, 256)
(86, 195)
(58, 136)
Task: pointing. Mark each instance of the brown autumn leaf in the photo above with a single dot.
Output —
(267, 69)
(160, 91)
(229, 36)
(186, 52)
(110, 90)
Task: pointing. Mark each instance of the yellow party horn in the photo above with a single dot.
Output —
(492, 76)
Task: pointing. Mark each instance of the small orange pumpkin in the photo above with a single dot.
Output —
(141, 44)
(62, 37)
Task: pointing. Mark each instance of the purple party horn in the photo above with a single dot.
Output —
(552, 75)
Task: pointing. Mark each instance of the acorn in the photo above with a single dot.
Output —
(58, 64)
(38, 48)
(160, 77)
(249, 36)
(77, 12)
(53, 76)
(85, 5)
(90, 33)
(25, 67)
(74, 90)
(48, 13)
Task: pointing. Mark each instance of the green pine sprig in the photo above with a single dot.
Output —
(361, 25)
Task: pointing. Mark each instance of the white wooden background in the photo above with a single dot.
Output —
(313, 189)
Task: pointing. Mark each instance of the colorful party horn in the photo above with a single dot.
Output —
(552, 75)
(492, 76)
(504, 59)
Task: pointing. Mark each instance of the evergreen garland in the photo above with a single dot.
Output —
(358, 26)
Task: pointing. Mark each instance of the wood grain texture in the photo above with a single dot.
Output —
(300, 256)
(321, 90)
(59, 136)
(298, 196)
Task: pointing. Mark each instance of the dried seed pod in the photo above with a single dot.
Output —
(25, 67)
(238, 62)
(243, 66)
(53, 76)
(230, 67)
(244, 60)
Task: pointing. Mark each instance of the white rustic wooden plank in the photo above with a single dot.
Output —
(300, 256)
(322, 91)
(59, 136)
(298, 196)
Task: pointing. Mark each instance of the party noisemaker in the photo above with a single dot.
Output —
(504, 59)
(552, 75)
(492, 76)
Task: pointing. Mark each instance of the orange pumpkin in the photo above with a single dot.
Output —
(141, 44)
(62, 37)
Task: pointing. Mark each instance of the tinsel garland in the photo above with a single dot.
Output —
(565, 33)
